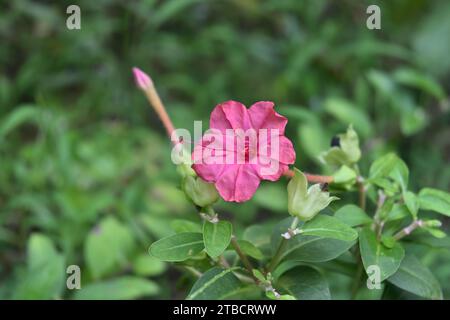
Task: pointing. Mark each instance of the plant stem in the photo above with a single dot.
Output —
(223, 262)
(314, 178)
(247, 264)
(407, 230)
(279, 253)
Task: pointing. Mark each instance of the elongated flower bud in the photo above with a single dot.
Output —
(143, 81)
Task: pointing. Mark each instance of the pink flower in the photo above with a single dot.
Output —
(243, 147)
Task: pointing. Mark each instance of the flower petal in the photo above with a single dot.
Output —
(237, 183)
(287, 152)
(230, 115)
(263, 116)
(266, 172)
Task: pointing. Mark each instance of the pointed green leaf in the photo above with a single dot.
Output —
(178, 247)
(414, 277)
(304, 283)
(215, 284)
(249, 249)
(217, 237)
(435, 200)
(345, 176)
(383, 166)
(308, 248)
(328, 227)
(412, 203)
(374, 253)
(390, 166)
(352, 215)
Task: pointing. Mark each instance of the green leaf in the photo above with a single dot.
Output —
(108, 247)
(249, 249)
(400, 174)
(180, 226)
(304, 283)
(399, 211)
(344, 175)
(383, 166)
(435, 200)
(215, 284)
(349, 143)
(258, 275)
(259, 235)
(414, 78)
(352, 215)
(202, 193)
(147, 266)
(178, 247)
(412, 203)
(122, 288)
(334, 157)
(391, 166)
(375, 253)
(347, 153)
(328, 227)
(217, 237)
(308, 248)
(413, 276)
(437, 233)
(45, 274)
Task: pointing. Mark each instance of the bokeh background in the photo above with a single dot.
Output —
(85, 171)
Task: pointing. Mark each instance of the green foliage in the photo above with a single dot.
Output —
(412, 276)
(305, 283)
(178, 247)
(216, 237)
(329, 227)
(435, 200)
(215, 284)
(44, 276)
(376, 253)
(309, 248)
(352, 215)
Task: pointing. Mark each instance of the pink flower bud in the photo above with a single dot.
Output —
(143, 81)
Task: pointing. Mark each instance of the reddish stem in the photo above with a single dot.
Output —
(314, 178)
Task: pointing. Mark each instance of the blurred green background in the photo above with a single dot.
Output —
(85, 172)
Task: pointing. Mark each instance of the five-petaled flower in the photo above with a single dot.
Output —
(242, 147)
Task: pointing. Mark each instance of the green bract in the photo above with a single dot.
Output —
(303, 202)
(347, 153)
(199, 191)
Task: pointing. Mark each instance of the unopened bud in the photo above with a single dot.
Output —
(143, 81)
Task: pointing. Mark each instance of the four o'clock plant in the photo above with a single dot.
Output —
(366, 241)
